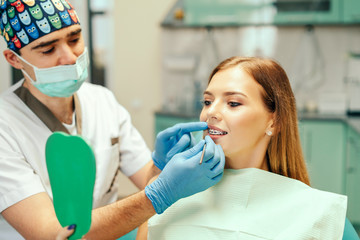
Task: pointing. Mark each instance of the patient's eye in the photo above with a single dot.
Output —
(206, 102)
(234, 104)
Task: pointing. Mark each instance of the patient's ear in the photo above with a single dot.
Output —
(271, 127)
(12, 59)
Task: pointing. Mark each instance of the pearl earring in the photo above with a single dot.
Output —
(269, 133)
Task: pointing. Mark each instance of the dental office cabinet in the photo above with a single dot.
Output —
(300, 35)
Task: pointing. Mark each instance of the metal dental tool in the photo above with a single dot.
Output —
(202, 154)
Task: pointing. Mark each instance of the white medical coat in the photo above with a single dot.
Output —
(25, 125)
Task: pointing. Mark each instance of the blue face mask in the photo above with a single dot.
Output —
(60, 81)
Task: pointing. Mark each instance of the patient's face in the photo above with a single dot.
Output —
(237, 118)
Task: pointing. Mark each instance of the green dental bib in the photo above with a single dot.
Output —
(71, 167)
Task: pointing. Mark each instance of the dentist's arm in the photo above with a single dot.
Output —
(34, 217)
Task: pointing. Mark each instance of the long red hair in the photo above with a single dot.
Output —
(284, 152)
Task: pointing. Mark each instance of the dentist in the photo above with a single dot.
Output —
(45, 42)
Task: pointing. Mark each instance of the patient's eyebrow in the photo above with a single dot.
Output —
(234, 93)
(207, 93)
(230, 93)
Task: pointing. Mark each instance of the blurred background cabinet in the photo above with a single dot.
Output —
(281, 12)
(324, 145)
(353, 175)
(332, 152)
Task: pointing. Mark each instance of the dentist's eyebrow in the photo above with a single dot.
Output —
(48, 43)
(44, 44)
(76, 32)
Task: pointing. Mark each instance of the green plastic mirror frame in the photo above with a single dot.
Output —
(71, 166)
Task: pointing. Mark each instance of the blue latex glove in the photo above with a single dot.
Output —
(174, 140)
(183, 176)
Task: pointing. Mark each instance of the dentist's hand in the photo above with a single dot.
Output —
(174, 140)
(65, 232)
(183, 176)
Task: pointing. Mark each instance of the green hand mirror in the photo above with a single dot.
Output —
(71, 166)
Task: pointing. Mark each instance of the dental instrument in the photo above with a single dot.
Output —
(202, 154)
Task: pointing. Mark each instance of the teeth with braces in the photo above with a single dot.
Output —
(216, 132)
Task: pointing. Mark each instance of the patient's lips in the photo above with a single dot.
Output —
(215, 132)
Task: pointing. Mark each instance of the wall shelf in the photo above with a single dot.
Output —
(341, 14)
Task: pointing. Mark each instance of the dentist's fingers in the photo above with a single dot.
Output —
(194, 150)
(211, 163)
(216, 164)
(65, 232)
(218, 177)
(209, 150)
(193, 127)
(192, 140)
(182, 128)
(183, 143)
(218, 169)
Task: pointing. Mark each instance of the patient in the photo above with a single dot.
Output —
(264, 194)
